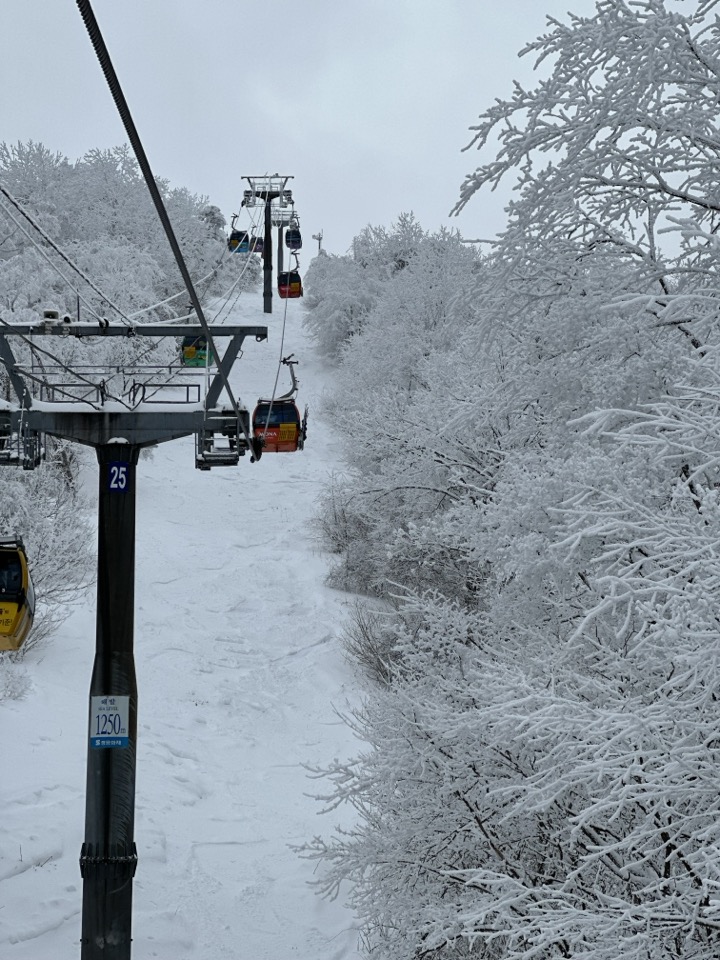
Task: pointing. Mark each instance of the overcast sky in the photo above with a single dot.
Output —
(366, 104)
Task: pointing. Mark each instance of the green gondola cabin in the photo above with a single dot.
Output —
(194, 352)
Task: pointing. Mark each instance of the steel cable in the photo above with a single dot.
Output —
(116, 92)
(49, 240)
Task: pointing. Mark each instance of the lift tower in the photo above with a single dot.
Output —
(278, 209)
(118, 412)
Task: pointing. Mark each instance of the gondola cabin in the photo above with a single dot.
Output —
(257, 245)
(289, 285)
(293, 238)
(239, 242)
(279, 424)
(17, 596)
(194, 352)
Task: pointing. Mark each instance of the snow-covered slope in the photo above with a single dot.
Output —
(239, 676)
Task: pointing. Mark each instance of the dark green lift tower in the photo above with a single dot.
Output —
(118, 423)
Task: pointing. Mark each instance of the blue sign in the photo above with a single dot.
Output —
(118, 478)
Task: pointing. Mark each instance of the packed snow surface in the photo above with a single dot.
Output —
(240, 677)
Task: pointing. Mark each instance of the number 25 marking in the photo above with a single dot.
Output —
(118, 477)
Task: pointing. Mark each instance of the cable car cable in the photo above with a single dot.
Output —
(176, 320)
(188, 316)
(55, 267)
(184, 317)
(277, 374)
(172, 376)
(34, 348)
(182, 293)
(127, 318)
(228, 294)
(18, 206)
(280, 361)
(105, 62)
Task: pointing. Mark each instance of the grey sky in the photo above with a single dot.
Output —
(367, 104)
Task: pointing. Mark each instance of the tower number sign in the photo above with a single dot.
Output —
(118, 476)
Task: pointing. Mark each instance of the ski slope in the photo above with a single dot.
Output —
(240, 674)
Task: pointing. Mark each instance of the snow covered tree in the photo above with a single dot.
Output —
(339, 293)
(540, 774)
(395, 470)
(607, 155)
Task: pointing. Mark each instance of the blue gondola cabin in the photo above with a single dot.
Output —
(293, 238)
(239, 242)
(289, 285)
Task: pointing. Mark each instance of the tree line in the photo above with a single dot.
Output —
(528, 510)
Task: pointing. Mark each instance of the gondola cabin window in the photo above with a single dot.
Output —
(10, 575)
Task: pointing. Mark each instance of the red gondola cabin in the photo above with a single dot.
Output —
(289, 285)
(284, 432)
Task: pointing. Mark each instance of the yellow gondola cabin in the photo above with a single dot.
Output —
(17, 596)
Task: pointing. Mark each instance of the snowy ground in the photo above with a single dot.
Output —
(239, 674)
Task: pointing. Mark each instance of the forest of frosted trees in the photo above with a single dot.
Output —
(529, 511)
(98, 215)
(528, 508)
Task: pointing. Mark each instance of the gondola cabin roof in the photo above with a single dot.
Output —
(17, 595)
(278, 423)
